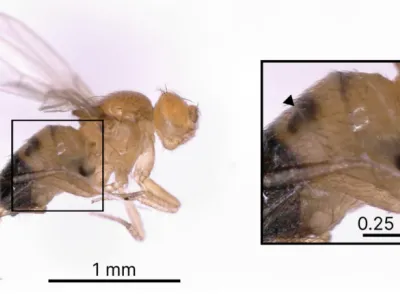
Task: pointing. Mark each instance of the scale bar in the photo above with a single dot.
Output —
(381, 234)
(115, 280)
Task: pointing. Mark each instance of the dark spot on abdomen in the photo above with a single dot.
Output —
(305, 110)
(80, 165)
(397, 161)
(53, 131)
(85, 170)
(344, 78)
(281, 209)
(22, 190)
(33, 145)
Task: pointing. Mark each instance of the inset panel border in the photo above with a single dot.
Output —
(262, 62)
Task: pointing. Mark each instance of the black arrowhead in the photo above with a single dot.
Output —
(289, 101)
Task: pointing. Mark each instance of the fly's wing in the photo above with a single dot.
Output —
(30, 68)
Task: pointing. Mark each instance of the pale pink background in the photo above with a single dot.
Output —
(210, 52)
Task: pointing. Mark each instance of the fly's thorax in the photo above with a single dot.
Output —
(124, 141)
(127, 105)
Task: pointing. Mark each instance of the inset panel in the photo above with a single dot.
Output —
(330, 152)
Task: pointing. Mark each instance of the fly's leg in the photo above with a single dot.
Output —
(157, 197)
(112, 187)
(121, 179)
(154, 195)
(124, 196)
(76, 184)
(136, 230)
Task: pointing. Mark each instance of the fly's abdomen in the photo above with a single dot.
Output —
(281, 204)
(40, 167)
(21, 198)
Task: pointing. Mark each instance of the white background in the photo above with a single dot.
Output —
(284, 79)
(208, 51)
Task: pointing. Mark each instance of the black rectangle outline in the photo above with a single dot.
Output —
(56, 120)
(262, 62)
(114, 281)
